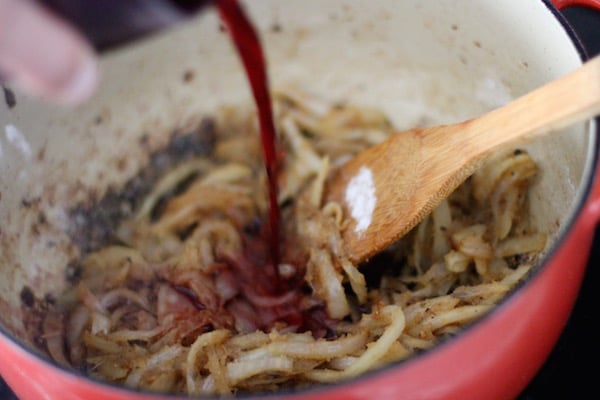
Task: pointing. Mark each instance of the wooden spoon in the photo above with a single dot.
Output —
(391, 187)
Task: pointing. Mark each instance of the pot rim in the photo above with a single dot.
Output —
(592, 129)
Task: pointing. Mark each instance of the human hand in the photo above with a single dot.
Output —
(43, 55)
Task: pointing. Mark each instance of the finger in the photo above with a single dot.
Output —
(43, 55)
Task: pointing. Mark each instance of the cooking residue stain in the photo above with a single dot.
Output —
(361, 198)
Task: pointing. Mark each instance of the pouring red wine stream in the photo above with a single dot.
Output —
(250, 50)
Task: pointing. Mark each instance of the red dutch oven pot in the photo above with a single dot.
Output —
(494, 358)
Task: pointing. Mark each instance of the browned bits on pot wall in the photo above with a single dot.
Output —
(188, 76)
(27, 297)
(122, 164)
(38, 225)
(102, 116)
(276, 27)
(41, 155)
(93, 222)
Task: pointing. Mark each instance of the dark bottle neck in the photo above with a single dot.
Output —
(110, 23)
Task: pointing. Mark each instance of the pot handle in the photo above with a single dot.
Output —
(560, 4)
(593, 206)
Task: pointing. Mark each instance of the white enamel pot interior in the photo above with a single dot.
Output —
(421, 62)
